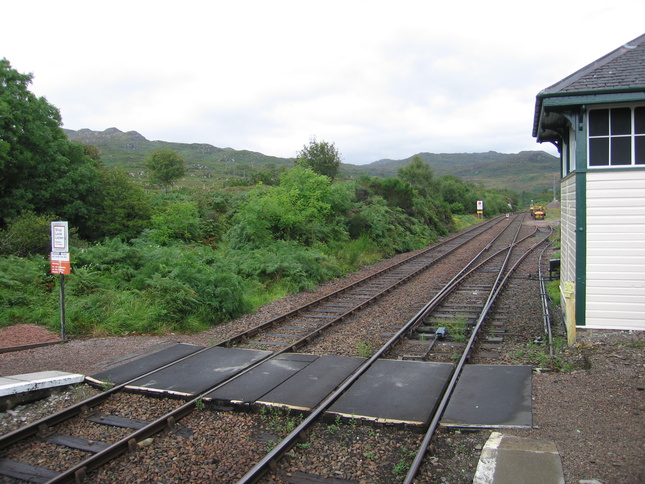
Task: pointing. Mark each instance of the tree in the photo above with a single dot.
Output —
(40, 169)
(420, 175)
(322, 157)
(300, 209)
(123, 208)
(166, 167)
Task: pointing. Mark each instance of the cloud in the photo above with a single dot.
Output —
(380, 80)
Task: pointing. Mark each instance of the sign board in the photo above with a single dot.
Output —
(60, 237)
(59, 263)
(480, 205)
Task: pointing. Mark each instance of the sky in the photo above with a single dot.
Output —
(378, 79)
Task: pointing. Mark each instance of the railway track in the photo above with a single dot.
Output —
(487, 274)
(321, 314)
(295, 329)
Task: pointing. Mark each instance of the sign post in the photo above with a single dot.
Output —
(480, 208)
(60, 263)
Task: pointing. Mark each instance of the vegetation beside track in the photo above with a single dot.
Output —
(152, 259)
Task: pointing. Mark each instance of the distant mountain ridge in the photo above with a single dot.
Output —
(530, 171)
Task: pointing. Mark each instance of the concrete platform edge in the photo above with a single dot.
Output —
(509, 460)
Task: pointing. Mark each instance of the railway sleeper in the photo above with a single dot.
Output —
(26, 472)
(78, 443)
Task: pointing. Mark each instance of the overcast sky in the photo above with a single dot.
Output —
(378, 79)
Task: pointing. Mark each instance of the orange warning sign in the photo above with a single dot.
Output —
(59, 263)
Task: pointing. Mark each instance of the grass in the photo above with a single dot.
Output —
(553, 291)
(540, 356)
(402, 467)
(335, 427)
(364, 350)
(457, 328)
(279, 420)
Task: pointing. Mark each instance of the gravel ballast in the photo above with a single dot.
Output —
(595, 414)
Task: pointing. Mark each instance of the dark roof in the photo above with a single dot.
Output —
(621, 70)
(624, 68)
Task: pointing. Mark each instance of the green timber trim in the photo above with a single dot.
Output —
(576, 99)
(581, 248)
(581, 220)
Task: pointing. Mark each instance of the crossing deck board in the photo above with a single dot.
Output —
(491, 396)
(396, 391)
(261, 380)
(129, 371)
(308, 387)
(199, 372)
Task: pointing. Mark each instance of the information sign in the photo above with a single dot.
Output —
(60, 237)
(60, 263)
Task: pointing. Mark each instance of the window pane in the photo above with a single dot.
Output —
(599, 122)
(621, 151)
(621, 121)
(639, 120)
(599, 152)
(639, 142)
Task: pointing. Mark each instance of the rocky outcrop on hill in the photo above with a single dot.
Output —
(87, 136)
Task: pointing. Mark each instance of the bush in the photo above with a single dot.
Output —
(28, 234)
(176, 221)
(143, 287)
(27, 294)
(287, 265)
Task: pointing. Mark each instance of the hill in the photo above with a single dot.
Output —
(207, 164)
(530, 171)
(527, 171)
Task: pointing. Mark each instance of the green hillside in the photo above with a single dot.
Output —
(530, 171)
(207, 165)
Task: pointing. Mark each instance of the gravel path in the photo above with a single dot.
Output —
(594, 414)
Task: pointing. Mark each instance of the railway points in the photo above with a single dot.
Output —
(339, 385)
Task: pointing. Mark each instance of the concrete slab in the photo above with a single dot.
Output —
(308, 387)
(199, 372)
(129, 371)
(508, 459)
(29, 382)
(491, 396)
(396, 391)
(262, 379)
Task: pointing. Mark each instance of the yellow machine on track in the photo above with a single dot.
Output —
(538, 212)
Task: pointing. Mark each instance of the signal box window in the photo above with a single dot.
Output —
(617, 136)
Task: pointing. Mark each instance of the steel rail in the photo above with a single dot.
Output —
(80, 470)
(80, 408)
(298, 434)
(416, 464)
(544, 297)
(77, 472)
(9, 349)
(467, 235)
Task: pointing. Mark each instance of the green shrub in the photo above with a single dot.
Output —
(356, 253)
(176, 221)
(26, 235)
(27, 291)
(285, 264)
